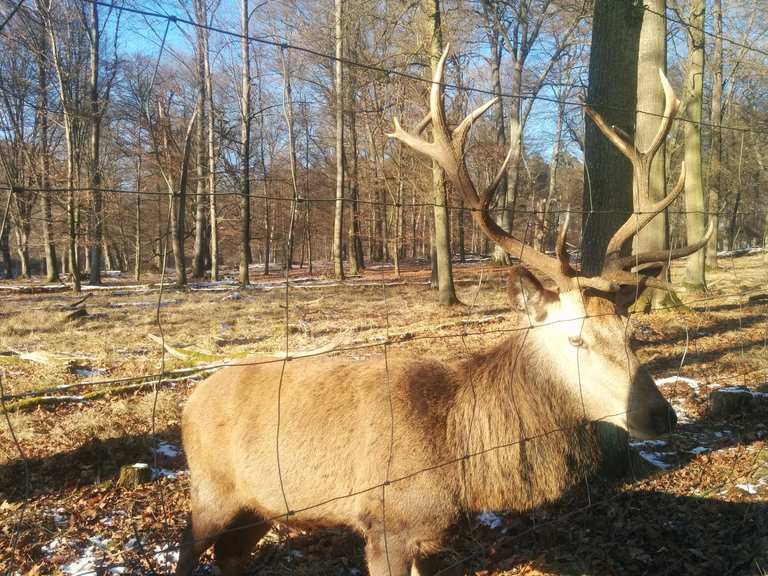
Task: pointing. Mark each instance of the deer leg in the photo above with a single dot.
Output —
(198, 536)
(234, 546)
(387, 555)
(434, 565)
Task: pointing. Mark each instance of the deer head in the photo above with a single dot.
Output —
(581, 326)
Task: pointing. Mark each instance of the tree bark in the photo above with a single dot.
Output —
(201, 233)
(51, 264)
(715, 180)
(245, 148)
(442, 236)
(96, 214)
(612, 92)
(696, 220)
(288, 112)
(652, 57)
(338, 221)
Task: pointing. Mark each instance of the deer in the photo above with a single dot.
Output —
(404, 450)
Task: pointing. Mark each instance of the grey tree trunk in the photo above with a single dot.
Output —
(200, 248)
(288, 112)
(696, 220)
(202, 18)
(442, 235)
(96, 214)
(137, 233)
(245, 148)
(652, 57)
(612, 92)
(51, 264)
(338, 221)
(715, 180)
(265, 180)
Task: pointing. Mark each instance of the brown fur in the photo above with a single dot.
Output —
(334, 446)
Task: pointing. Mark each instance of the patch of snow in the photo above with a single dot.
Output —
(52, 545)
(490, 520)
(740, 390)
(132, 543)
(167, 449)
(234, 296)
(88, 564)
(648, 443)
(166, 473)
(748, 488)
(166, 555)
(59, 518)
(655, 458)
(692, 384)
(88, 372)
(699, 450)
(140, 465)
(682, 413)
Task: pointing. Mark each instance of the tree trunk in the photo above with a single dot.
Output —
(137, 240)
(96, 215)
(51, 264)
(612, 92)
(652, 57)
(288, 112)
(338, 221)
(696, 221)
(245, 148)
(442, 242)
(356, 259)
(200, 248)
(202, 18)
(715, 180)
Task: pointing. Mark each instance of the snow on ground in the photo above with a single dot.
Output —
(167, 449)
(490, 520)
(692, 384)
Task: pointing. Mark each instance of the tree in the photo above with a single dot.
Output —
(612, 92)
(696, 220)
(442, 239)
(338, 221)
(715, 180)
(652, 57)
(245, 147)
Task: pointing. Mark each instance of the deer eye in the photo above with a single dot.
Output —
(576, 340)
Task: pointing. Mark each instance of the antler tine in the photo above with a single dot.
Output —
(561, 250)
(633, 225)
(459, 135)
(620, 264)
(436, 107)
(618, 137)
(671, 105)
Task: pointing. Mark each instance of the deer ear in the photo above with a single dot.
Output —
(528, 295)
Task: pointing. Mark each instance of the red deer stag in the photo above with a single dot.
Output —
(402, 451)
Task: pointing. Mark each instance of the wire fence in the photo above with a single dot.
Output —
(383, 517)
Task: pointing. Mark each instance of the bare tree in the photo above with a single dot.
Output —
(245, 146)
(696, 220)
(442, 241)
(338, 222)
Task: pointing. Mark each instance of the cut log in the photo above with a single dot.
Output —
(134, 475)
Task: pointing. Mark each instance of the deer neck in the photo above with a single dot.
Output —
(523, 431)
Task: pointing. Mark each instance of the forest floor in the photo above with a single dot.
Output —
(82, 401)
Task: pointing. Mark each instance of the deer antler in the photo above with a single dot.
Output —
(447, 149)
(615, 266)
